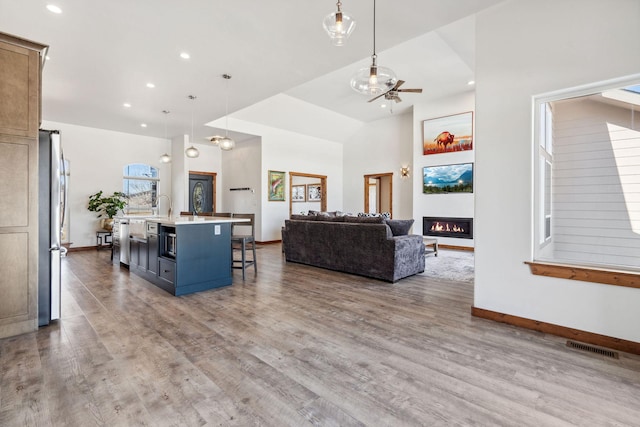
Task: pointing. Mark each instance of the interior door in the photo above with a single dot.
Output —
(200, 193)
(378, 193)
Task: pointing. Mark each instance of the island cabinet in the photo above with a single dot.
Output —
(153, 252)
(138, 255)
(186, 257)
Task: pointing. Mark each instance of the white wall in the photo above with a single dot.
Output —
(381, 146)
(179, 184)
(287, 151)
(526, 48)
(445, 205)
(97, 158)
(242, 169)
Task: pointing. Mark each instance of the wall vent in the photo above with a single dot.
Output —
(592, 349)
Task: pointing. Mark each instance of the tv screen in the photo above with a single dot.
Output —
(444, 179)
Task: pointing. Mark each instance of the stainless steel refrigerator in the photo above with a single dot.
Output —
(52, 198)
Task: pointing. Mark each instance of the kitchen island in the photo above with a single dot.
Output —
(185, 254)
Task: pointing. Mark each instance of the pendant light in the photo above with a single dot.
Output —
(226, 143)
(338, 26)
(192, 152)
(165, 158)
(373, 80)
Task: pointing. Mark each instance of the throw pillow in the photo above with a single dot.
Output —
(399, 227)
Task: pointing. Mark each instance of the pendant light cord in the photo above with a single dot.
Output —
(374, 27)
(193, 98)
(226, 108)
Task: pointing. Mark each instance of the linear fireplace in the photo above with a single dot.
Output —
(461, 228)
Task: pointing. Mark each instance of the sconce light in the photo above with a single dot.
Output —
(404, 172)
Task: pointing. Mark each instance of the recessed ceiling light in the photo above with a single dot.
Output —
(471, 82)
(185, 55)
(53, 8)
(126, 105)
(144, 125)
(383, 105)
(151, 85)
(47, 57)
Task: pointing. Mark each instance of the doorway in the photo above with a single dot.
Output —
(303, 185)
(378, 193)
(202, 191)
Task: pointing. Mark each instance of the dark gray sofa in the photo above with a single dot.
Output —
(358, 246)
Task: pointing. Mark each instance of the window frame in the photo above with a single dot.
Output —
(537, 264)
(156, 179)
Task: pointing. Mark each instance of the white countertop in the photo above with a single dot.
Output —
(187, 220)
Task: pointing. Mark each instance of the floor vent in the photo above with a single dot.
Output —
(593, 349)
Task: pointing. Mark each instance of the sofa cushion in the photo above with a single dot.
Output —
(364, 219)
(399, 227)
(330, 218)
(303, 217)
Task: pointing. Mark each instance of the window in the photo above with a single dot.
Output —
(587, 183)
(140, 184)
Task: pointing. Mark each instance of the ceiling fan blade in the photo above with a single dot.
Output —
(397, 98)
(410, 90)
(398, 84)
(373, 99)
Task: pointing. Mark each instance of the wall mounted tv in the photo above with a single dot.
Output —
(445, 179)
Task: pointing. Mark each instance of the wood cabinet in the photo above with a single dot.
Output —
(20, 66)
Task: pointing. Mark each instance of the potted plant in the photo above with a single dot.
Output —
(107, 206)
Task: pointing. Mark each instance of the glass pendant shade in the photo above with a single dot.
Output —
(373, 80)
(165, 158)
(226, 143)
(338, 26)
(192, 152)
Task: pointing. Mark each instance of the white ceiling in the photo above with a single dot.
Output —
(102, 54)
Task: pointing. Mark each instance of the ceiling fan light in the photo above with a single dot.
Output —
(338, 26)
(192, 152)
(226, 143)
(373, 80)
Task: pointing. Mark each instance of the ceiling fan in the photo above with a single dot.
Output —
(392, 94)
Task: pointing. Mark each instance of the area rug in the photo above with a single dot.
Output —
(451, 265)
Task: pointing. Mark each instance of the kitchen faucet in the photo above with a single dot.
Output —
(170, 203)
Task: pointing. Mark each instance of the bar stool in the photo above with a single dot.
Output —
(243, 242)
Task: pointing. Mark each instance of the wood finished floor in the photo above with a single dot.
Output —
(297, 346)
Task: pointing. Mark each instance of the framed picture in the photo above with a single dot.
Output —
(448, 179)
(298, 193)
(448, 134)
(314, 192)
(276, 186)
